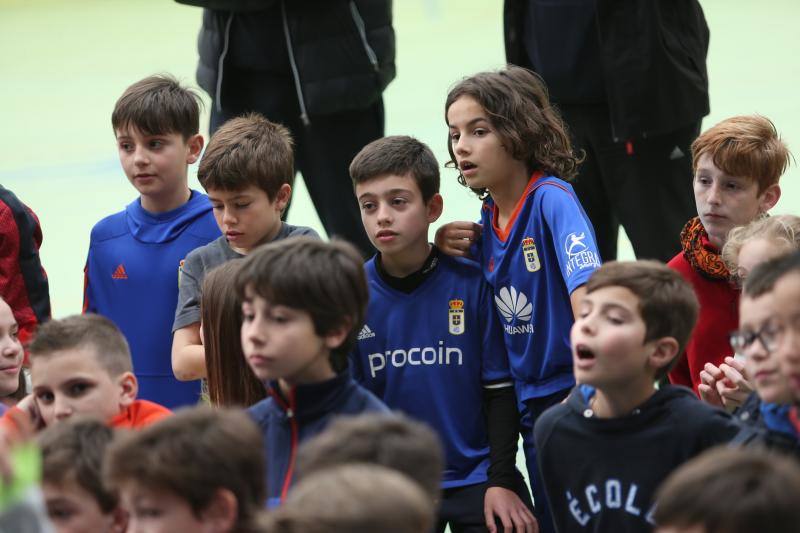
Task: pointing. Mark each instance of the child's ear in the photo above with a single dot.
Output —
(195, 144)
(664, 351)
(769, 197)
(221, 511)
(435, 207)
(128, 388)
(335, 337)
(282, 197)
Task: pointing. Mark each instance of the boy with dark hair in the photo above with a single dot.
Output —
(72, 461)
(737, 165)
(764, 414)
(303, 302)
(354, 498)
(606, 449)
(199, 470)
(81, 365)
(395, 441)
(731, 490)
(132, 264)
(432, 345)
(246, 171)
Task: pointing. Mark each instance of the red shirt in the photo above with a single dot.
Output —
(139, 414)
(719, 315)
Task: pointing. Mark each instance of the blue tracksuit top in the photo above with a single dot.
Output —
(287, 422)
(131, 277)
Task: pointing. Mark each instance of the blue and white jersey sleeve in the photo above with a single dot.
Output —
(573, 236)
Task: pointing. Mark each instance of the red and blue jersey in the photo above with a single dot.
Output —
(546, 251)
(431, 352)
(131, 277)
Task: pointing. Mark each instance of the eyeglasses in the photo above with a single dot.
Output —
(769, 336)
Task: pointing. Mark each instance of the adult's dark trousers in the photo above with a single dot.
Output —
(323, 149)
(645, 183)
(462, 507)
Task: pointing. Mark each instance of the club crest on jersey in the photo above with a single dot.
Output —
(456, 317)
(530, 254)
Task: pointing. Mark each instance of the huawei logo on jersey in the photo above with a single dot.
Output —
(514, 307)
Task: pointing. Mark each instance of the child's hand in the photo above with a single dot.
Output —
(506, 506)
(455, 238)
(734, 388)
(708, 385)
(29, 407)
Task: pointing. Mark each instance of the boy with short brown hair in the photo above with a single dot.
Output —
(606, 449)
(737, 165)
(200, 470)
(247, 171)
(394, 441)
(432, 344)
(303, 302)
(134, 255)
(731, 490)
(72, 461)
(354, 498)
(81, 365)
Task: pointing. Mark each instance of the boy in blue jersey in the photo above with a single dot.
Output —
(246, 171)
(131, 273)
(432, 345)
(303, 303)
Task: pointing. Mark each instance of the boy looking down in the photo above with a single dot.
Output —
(246, 171)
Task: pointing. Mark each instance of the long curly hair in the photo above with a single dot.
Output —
(519, 108)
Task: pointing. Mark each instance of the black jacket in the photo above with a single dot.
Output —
(601, 474)
(653, 55)
(341, 52)
(756, 430)
(287, 422)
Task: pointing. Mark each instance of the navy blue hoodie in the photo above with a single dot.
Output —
(287, 422)
(601, 474)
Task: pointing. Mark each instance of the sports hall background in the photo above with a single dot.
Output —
(64, 63)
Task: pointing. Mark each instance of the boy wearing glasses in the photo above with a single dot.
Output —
(769, 338)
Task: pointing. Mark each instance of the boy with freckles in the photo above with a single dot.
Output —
(737, 165)
(604, 452)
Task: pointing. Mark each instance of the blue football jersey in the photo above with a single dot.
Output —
(546, 251)
(430, 354)
(132, 278)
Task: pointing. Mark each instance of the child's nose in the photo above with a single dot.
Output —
(63, 408)
(140, 157)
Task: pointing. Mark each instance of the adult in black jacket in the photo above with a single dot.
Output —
(630, 78)
(317, 66)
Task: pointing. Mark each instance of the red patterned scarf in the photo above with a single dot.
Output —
(700, 253)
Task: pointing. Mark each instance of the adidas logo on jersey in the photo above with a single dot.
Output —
(365, 333)
(119, 273)
(514, 306)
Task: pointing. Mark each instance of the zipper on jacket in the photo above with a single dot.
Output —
(220, 65)
(290, 414)
(295, 74)
(362, 32)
